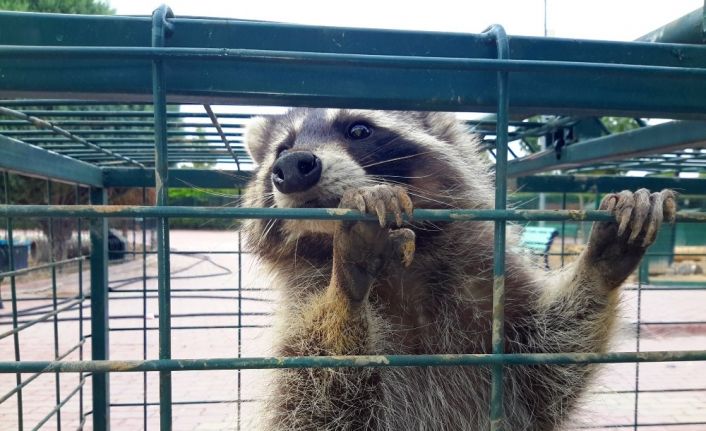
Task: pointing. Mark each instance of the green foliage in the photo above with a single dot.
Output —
(90, 7)
(203, 197)
(619, 124)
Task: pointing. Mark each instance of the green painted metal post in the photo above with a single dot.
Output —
(497, 413)
(81, 338)
(240, 320)
(55, 319)
(144, 311)
(13, 299)
(99, 312)
(160, 29)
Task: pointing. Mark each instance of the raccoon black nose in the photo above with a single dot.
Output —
(296, 171)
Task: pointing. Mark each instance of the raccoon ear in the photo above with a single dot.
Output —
(256, 137)
(444, 126)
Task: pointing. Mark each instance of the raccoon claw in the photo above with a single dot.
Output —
(403, 245)
(617, 246)
(379, 200)
(640, 213)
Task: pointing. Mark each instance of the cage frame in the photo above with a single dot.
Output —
(466, 72)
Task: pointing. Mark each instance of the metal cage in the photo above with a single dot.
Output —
(68, 79)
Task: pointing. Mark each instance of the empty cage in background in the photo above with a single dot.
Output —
(130, 315)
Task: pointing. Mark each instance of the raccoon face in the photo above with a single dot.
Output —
(307, 158)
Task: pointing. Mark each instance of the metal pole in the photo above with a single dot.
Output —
(99, 312)
(161, 28)
(13, 301)
(81, 338)
(57, 376)
(497, 413)
(144, 310)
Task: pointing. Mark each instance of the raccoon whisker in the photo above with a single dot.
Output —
(209, 192)
(396, 159)
(405, 177)
(268, 227)
(379, 147)
(296, 245)
(420, 195)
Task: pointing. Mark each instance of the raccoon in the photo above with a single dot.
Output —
(415, 287)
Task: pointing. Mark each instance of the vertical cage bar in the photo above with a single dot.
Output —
(144, 311)
(240, 320)
(55, 319)
(497, 413)
(642, 272)
(13, 301)
(563, 229)
(99, 312)
(80, 308)
(160, 29)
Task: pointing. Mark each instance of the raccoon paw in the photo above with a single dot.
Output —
(379, 200)
(364, 250)
(616, 247)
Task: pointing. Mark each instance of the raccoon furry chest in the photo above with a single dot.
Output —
(401, 286)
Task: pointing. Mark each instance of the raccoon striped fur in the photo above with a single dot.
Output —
(416, 287)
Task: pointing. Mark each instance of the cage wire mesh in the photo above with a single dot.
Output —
(75, 249)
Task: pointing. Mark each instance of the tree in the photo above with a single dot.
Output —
(90, 7)
(25, 190)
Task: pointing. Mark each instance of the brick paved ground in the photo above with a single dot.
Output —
(611, 403)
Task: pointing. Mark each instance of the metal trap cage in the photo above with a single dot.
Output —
(93, 101)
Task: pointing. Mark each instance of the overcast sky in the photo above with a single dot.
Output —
(585, 19)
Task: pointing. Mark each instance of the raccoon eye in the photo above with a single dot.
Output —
(358, 131)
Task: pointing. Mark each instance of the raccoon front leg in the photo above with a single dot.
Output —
(577, 309)
(341, 321)
(615, 248)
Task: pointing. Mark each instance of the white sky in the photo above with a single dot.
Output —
(585, 19)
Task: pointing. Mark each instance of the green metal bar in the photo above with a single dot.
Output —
(13, 301)
(189, 327)
(81, 296)
(100, 344)
(43, 266)
(14, 156)
(55, 320)
(563, 232)
(351, 361)
(350, 60)
(204, 178)
(497, 412)
(641, 272)
(57, 409)
(43, 124)
(57, 102)
(112, 211)
(240, 322)
(118, 132)
(161, 29)
(28, 380)
(128, 114)
(144, 312)
(416, 89)
(116, 140)
(119, 122)
(185, 403)
(214, 120)
(605, 184)
(643, 141)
